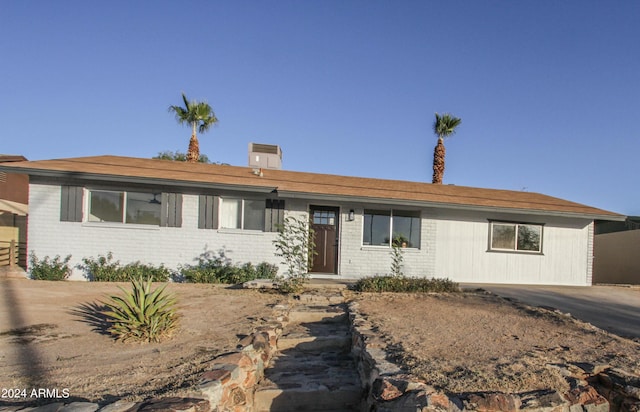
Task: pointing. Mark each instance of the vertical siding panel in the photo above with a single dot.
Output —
(64, 203)
(164, 210)
(213, 211)
(71, 203)
(178, 210)
(78, 205)
(171, 209)
(202, 212)
(590, 240)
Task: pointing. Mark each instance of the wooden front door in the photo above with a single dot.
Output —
(324, 221)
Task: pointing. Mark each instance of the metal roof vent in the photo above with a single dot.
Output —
(265, 156)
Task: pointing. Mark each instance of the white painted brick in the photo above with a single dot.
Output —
(453, 244)
(155, 245)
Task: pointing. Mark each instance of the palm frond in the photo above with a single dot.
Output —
(445, 125)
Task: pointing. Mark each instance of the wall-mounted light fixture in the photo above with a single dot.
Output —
(352, 215)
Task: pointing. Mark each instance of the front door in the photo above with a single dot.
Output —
(324, 221)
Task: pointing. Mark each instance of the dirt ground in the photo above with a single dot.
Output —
(52, 337)
(481, 342)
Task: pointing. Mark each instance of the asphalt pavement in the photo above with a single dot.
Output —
(615, 309)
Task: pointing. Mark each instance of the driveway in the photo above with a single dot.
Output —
(612, 308)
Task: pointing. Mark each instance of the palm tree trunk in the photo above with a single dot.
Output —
(438, 162)
(193, 153)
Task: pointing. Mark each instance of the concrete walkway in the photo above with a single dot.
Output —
(615, 309)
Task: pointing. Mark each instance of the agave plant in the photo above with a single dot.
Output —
(142, 314)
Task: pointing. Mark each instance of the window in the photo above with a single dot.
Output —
(236, 213)
(519, 237)
(383, 226)
(324, 217)
(124, 207)
(242, 214)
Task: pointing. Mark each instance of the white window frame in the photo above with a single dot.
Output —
(241, 211)
(516, 226)
(391, 228)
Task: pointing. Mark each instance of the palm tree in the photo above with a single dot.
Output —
(200, 116)
(444, 126)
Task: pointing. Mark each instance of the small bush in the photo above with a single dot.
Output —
(296, 246)
(141, 314)
(104, 269)
(404, 284)
(154, 273)
(49, 269)
(216, 270)
(397, 258)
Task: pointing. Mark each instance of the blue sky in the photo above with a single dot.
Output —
(548, 91)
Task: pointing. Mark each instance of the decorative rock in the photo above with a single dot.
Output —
(387, 389)
(80, 407)
(542, 401)
(410, 401)
(118, 406)
(221, 375)
(261, 341)
(439, 401)
(587, 396)
(213, 391)
(174, 405)
(486, 402)
(51, 407)
(244, 342)
(593, 369)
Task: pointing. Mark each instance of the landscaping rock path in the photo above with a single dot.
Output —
(313, 370)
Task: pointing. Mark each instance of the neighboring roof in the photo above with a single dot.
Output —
(16, 208)
(12, 158)
(304, 185)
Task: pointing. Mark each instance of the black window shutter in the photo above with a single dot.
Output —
(171, 210)
(273, 214)
(71, 203)
(208, 212)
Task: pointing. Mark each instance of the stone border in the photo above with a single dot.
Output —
(389, 388)
(231, 382)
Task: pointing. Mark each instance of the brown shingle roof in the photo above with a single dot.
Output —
(310, 184)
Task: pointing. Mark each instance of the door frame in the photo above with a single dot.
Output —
(337, 210)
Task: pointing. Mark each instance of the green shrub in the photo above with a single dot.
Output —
(104, 269)
(296, 246)
(397, 257)
(141, 314)
(154, 273)
(404, 284)
(49, 269)
(218, 270)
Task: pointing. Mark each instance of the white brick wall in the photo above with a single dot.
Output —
(452, 244)
(129, 243)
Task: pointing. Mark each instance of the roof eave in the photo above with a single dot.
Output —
(450, 206)
(146, 180)
(295, 194)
